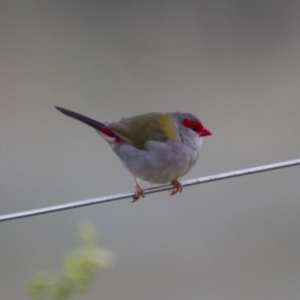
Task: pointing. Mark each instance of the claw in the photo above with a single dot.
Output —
(138, 192)
(177, 187)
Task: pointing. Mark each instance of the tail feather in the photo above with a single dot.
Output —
(95, 124)
(102, 128)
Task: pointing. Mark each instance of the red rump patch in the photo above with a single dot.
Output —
(110, 134)
(194, 125)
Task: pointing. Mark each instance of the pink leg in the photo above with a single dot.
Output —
(138, 192)
(177, 187)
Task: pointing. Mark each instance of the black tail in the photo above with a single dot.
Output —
(95, 124)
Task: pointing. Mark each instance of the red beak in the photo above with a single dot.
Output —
(205, 132)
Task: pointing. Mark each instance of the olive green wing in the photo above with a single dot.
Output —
(149, 127)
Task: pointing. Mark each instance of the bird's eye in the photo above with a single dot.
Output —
(193, 125)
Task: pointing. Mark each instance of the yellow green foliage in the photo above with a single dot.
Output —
(79, 269)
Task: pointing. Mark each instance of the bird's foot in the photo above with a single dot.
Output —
(138, 192)
(177, 187)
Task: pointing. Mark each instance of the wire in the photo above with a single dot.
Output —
(221, 176)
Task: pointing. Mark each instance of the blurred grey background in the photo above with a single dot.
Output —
(235, 64)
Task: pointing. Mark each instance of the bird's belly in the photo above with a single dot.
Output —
(159, 162)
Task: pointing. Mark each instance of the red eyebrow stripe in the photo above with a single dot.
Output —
(189, 123)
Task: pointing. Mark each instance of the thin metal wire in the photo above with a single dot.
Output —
(45, 210)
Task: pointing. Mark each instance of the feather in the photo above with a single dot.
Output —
(138, 130)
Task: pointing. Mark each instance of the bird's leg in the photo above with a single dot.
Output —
(138, 192)
(177, 187)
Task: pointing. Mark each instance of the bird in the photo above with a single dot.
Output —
(154, 147)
